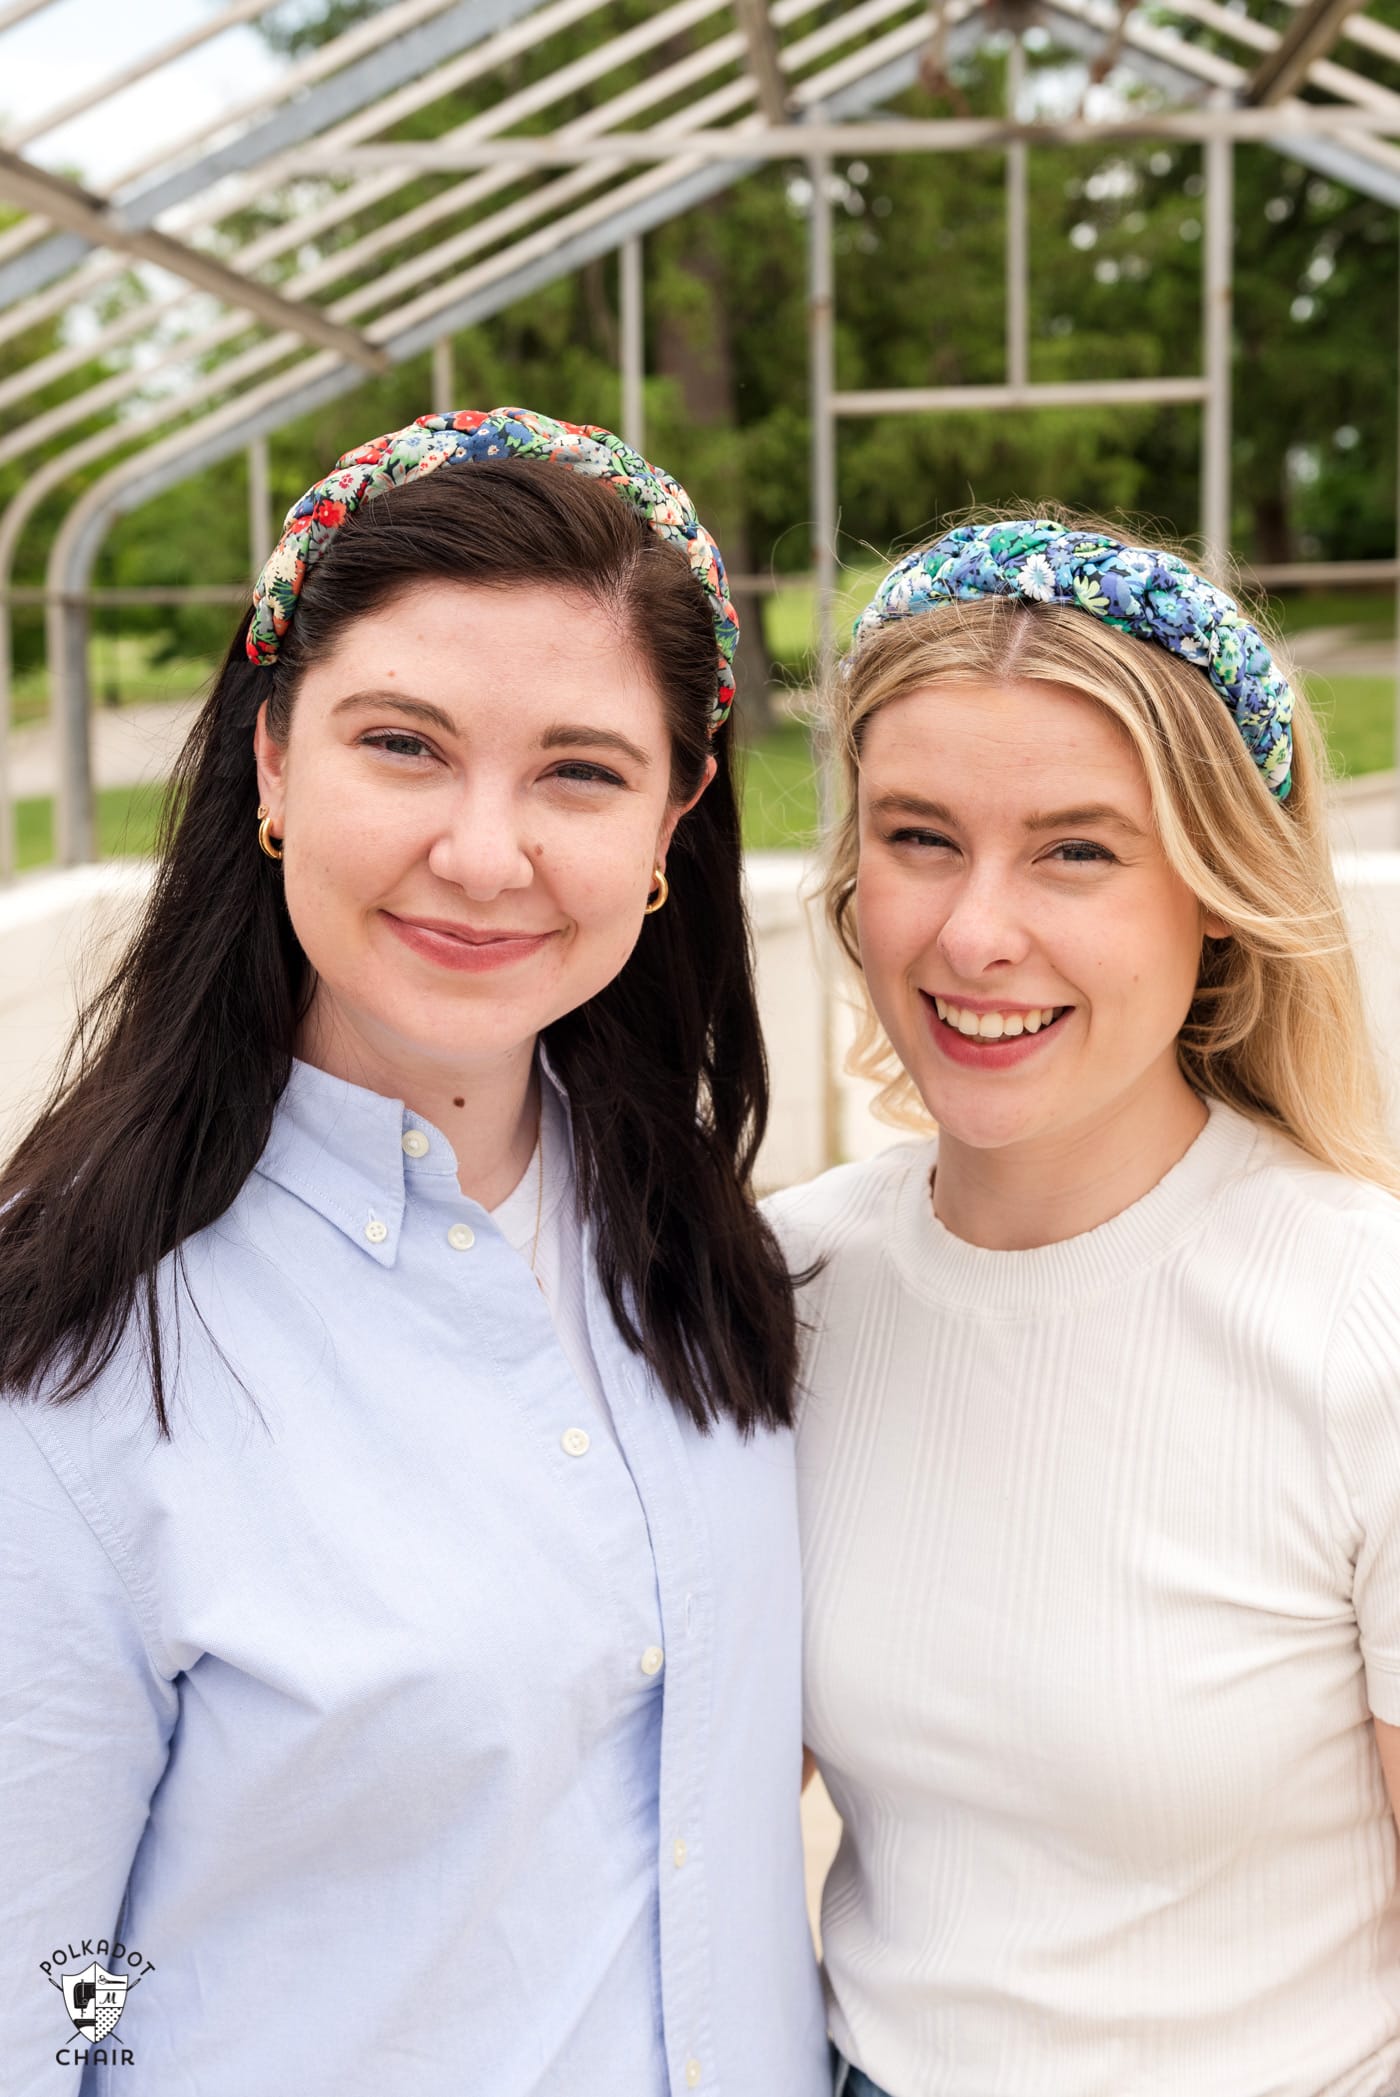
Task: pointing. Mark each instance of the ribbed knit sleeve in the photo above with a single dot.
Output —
(1363, 1402)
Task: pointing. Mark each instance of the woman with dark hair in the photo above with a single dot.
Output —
(397, 1559)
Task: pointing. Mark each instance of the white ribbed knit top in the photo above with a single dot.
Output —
(1102, 1560)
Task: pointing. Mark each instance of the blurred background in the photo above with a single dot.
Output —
(843, 266)
(999, 323)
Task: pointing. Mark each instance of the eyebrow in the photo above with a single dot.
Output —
(401, 703)
(1087, 816)
(563, 735)
(569, 734)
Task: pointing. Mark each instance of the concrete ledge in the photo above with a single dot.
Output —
(60, 934)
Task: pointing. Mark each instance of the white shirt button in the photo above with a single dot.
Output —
(653, 1660)
(692, 2074)
(461, 1237)
(376, 1232)
(415, 1143)
(678, 1854)
(574, 1442)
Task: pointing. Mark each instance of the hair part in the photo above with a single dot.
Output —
(1277, 1026)
(167, 1095)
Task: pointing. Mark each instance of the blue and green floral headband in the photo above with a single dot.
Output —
(1153, 596)
(494, 433)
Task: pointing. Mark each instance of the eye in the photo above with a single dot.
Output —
(928, 840)
(1082, 851)
(577, 771)
(397, 742)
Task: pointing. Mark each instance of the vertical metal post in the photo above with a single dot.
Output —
(821, 359)
(444, 376)
(1395, 752)
(261, 537)
(821, 353)
(70, 718)
(9, 848)
(632, 341)
(1218, 300)
(1017, 230)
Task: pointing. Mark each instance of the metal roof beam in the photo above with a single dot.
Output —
(164, 54)
(1180, 69)
(312, 383)
(1311, 34)
(765, 58)
(68, 204)
(342, 261)
(913, 135)
(406, 57)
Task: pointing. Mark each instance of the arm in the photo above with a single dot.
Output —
(85, 1722)
(1388, 1741)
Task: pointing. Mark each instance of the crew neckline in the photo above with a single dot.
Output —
(953, 1272)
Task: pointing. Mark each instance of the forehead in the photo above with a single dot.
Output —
(499, 656)
(1011, 741)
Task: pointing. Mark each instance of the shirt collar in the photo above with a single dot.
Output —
(340, 1149)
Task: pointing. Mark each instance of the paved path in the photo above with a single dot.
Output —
(130, 745)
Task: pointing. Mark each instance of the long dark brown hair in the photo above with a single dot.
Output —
(166, 1099)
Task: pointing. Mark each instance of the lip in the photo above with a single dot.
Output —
(955, 997)
(469, 949)
(974, 1053)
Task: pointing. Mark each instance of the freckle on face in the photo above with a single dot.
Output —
(459, 1103)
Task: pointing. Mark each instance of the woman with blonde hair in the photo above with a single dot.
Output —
(1099, 1460)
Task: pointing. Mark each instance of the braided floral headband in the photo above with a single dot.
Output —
(1153, 596)
(497, 433)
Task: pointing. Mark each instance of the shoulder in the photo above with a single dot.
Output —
(847, 1208)
(1315, 1255)
(1318, 1223)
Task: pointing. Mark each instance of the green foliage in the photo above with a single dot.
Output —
(1116, 244)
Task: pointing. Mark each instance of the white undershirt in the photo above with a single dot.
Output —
(1102, 1562)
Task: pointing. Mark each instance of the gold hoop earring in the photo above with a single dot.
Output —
(273, 851)
(658, 894)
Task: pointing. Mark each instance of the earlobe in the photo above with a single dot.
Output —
(1214, 927)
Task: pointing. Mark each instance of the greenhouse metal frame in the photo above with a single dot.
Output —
(796, 81)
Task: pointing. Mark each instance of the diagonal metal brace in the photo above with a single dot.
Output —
(765, 59)
(66, 203)
(1312, 32)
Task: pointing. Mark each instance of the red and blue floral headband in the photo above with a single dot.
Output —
(495, 433)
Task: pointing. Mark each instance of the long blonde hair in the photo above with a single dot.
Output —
(1276, 1028)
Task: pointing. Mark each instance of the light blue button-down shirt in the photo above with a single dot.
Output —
(420, 1751)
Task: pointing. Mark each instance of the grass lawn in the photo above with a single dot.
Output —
(127, 818)
(1358, 718)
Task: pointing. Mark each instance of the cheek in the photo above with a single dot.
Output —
(896, 918)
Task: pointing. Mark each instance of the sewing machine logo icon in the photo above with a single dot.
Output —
(95, 2000)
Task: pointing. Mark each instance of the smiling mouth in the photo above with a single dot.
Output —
(468, 935)
(995, 1026)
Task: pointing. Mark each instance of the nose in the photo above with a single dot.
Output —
(984, 928)
(481, 846)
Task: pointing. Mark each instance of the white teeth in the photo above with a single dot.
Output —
(995, 1026)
